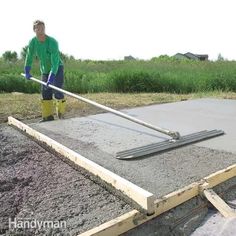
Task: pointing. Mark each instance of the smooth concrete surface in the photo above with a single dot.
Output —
(99, 137)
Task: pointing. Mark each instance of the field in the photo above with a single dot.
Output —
(118, 84)
(154, 76)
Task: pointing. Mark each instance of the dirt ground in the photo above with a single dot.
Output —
(26, 107)
(37, 185)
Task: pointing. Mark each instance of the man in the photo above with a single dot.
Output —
(51, 67)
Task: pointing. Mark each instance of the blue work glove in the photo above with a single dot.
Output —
(51, 78)
(27, 72)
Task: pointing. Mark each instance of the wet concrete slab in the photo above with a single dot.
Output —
(99, 137)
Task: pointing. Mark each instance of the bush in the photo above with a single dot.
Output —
(16, 83)
(134, 81)
(158, 75)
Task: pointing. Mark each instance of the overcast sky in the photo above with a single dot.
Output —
(112, 29)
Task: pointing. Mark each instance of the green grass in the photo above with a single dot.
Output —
(162, 76)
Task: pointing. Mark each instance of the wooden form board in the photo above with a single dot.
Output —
(219, 203)
(220, 176)
(142, 197)
(134, 218)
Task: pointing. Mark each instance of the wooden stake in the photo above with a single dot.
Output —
(219, 203)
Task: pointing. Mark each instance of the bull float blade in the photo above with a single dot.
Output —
(166, 145)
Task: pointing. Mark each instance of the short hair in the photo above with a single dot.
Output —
(37, 22)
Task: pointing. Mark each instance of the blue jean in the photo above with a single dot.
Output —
(47, 92)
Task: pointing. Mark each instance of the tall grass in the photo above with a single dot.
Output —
(173, 76)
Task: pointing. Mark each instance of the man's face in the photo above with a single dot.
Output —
(39, 30)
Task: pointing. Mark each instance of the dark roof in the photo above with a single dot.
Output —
(193, 56)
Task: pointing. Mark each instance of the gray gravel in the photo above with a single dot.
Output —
(38, 185)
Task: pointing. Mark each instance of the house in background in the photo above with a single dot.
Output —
(191, 56)
(129, 58)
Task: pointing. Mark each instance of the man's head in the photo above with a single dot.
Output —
(39, 29)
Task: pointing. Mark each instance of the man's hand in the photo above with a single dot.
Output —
(27, 72)
(51, 78)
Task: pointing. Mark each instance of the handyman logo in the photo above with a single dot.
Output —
(26, 223)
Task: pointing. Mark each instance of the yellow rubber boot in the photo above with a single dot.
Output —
(47, 110)
(60, 108)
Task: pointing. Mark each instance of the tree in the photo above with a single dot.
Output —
(220, 57)
(10, 56)
(23, 52)
(66, 57)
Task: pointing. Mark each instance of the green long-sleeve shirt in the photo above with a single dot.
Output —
(47, 52)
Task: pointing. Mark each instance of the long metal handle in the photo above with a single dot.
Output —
(172, 134)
